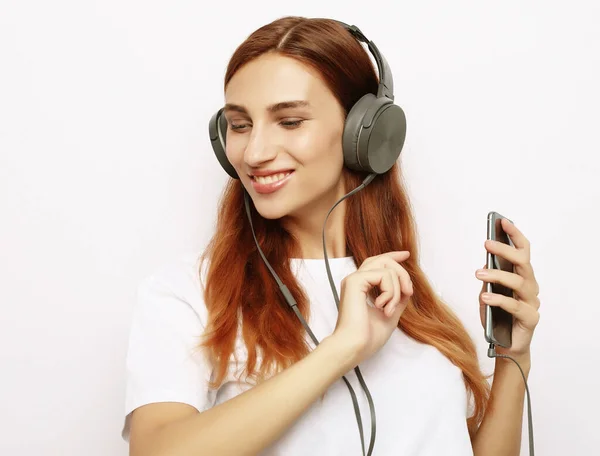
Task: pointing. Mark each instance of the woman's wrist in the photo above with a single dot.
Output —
(523, 359)
(342, 352)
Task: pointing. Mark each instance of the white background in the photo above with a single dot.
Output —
(106, 172)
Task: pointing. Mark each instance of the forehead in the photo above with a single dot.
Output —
(272, 78)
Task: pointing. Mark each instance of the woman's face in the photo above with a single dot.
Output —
(284, 137)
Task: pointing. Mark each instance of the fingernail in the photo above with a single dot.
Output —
(482, 273)
(486, 296)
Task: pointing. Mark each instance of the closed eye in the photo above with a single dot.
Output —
(289, 124)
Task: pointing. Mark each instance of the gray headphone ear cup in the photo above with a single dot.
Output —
(380, 145)
(352, 128)
(375, 135)
(217, 131)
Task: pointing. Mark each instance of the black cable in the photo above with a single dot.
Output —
(293, 304)
(492, 354)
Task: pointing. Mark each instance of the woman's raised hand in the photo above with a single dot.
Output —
(364, 327)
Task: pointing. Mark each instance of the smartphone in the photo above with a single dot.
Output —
(498, 322)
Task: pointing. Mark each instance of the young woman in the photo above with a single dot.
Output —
(218, 363)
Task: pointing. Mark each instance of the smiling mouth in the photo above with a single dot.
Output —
(272, 183)
(273, 178)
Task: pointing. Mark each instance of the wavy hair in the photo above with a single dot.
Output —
(240, 293)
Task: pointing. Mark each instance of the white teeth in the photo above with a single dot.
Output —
(270, 179)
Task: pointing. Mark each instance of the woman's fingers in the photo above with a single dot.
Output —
(398, 279)
(389, 287)
(404, 279)
(397, 255)
(395, 297)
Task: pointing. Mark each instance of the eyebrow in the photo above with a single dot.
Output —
(271, 108)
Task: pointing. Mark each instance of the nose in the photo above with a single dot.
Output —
(259, 149)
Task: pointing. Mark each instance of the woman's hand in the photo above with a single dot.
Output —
(364, 327)
(525, 304)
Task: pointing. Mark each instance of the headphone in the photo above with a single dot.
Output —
(374, 129)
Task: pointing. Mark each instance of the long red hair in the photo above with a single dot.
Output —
(239, 284)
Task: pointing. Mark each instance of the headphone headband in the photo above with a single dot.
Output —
(386, 81)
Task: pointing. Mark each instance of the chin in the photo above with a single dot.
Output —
(271, 211)
(276, 205)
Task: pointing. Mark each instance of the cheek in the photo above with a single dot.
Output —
(322, 148)
(234, 150)
(331, 158)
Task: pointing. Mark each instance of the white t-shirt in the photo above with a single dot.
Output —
(420, 398)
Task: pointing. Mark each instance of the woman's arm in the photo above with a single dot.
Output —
(500, 431)
(248, 423)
